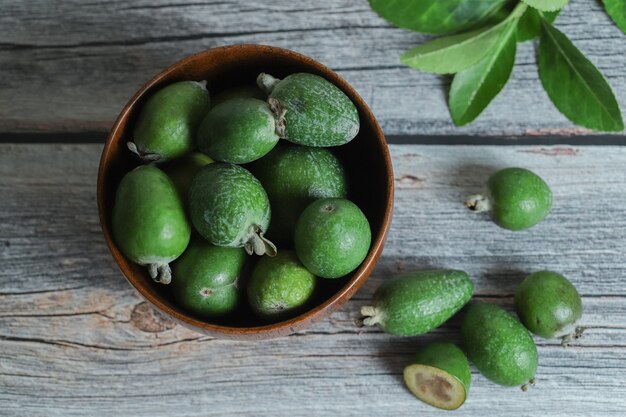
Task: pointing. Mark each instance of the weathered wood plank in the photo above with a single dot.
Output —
(76, 340)
(70, 65)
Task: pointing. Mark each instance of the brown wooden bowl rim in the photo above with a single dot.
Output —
(296, 323)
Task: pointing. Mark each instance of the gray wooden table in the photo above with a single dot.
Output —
(76, 340)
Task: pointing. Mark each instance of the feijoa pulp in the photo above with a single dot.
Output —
(549, 305)
(205, 278)
(332, 237)
(310, 110)
(294, 176)
(439, 375)
(238, 131)
(516, 199)
(499, 345)
(229, 207)
(149, 222)
(417, 302)
(168, 121)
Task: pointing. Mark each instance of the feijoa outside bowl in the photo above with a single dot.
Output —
(366, 159)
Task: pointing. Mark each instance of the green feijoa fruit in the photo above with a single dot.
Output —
(238, 131)
(182, 170)
(516, 199)
(167, 124)
(205, 278)
(310, 110)
(294, 176)
(279, 286)
(418, 302)
(332, 237)
(242, 91)
(549, 305)
(229, 207)
(499, 345)
(439, 375)
(149, 223)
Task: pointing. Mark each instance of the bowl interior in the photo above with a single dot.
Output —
(366, 160)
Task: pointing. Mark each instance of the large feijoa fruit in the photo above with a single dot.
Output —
(418, 302)
(205, 278)
(279, 286)
(499, 345)
(332, 237)
(516, 199)
(238, 131)
(229, 207)
(549, 305)
(310, 110)
(439, 375)
(168, 121)
(294, 176)
(149, 223)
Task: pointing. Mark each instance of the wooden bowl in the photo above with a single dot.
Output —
(366, 159)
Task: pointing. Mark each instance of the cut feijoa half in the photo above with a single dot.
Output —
(439, 375)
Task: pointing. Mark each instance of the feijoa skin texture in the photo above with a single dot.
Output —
(238, 131)
(418, 302)
(548, 304)
(516, 199)
(167, 124)
(182, 170)
(310, 110)
(149, 222)
(294, 176)
(439, 375)
(332, 237)
(279, 286)
(230, 208)
(499, 345)
(205, 279)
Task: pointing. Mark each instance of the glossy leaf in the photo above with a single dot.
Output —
(473, 89)
(529, 25)
(617, 10)
(455, 53)
(574, 84)
(436, 16)
(546, 5)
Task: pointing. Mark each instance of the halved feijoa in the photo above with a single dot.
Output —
(439, 375)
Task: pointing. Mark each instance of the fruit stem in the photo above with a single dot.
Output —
(477, 203)
(279, 116)
(202, 83)
(266, 82)
(259, 245)
(160, 273)
(147, 157)
(372, 315)
(575, 335)
(528, 385)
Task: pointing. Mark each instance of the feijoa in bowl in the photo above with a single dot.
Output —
(365, 159)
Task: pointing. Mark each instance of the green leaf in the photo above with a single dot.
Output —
(546, 5)
(473, 89)
(617, 10)
(574, 84)
(436, 16)
(455, 53)
(529, 25)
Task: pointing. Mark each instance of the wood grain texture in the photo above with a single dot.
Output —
(76, 340)
(70, 65)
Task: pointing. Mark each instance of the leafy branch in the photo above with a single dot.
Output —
(480, 46)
